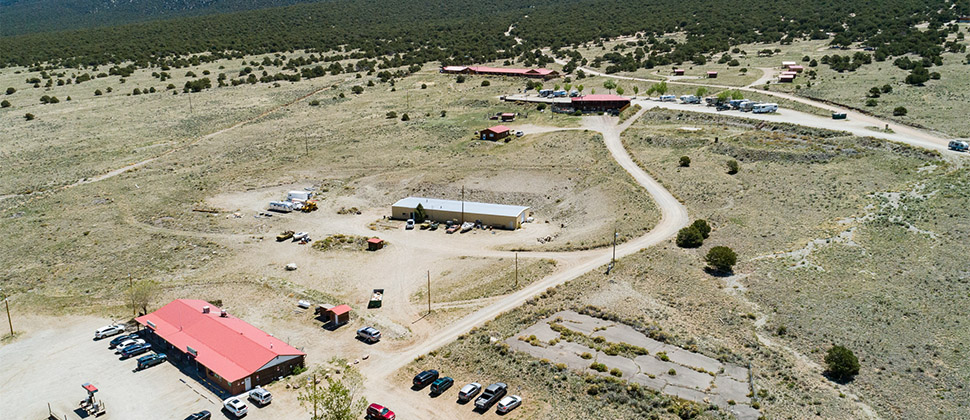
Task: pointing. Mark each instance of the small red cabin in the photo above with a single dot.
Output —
(498, 132)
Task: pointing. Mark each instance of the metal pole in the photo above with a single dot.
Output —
(613, 261)
(429, 291)
(9, 321)
(315, 397)
(131, 291)
(516, 270)
(462, 204)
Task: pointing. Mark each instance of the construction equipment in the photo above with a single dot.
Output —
(284, 236)
(309, 206)
(376, 299)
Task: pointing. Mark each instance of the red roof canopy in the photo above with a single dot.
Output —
(508, 114)
(340, 310)
(498, 129)
(89, 388)
(375, 240)
(228, 346)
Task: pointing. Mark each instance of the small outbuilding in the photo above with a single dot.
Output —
(712, 75)
(507, 116)
(335, 315)
(373, 244)
(797, 69)
(678, 72)
(495, 133)
(786, 64)
(786, 78)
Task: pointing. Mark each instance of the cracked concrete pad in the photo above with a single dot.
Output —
(650, 364)
(696, 360)
(736, 372)
(541, 330)
(628, 335)
(625, 365)
(580, 323)
(656, 384)
(731, 389)
(685, 393)
(744, 412)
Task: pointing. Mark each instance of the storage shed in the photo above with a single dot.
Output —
(712, 75)
(498, 132)
(335, 315)
(373, 244)
(498, 215)
(507, 116)
(678, 72)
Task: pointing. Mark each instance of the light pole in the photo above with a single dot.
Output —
(613, 260)
(6, 303)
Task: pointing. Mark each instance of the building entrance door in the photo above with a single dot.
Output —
(249, 383)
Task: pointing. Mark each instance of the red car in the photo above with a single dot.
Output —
(377, 411)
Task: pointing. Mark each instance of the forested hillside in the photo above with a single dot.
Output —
(27, 16)
(464, 31)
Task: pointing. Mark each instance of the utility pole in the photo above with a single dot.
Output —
(9, 321)
(613, 260)
(429, 292)
(314, 394)
(516, 270)
(131, 291)
(462, 204)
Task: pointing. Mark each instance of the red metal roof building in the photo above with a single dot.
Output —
(501, 71)
(498, 132)
(600, 103)
(224, 349)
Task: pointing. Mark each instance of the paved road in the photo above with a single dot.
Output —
(673, 218)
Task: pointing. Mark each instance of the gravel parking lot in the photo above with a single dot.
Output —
(49, 364)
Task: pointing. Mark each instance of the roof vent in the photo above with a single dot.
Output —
(205, 309)
(224, 314)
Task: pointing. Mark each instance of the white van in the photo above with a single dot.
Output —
(281, 206)
(959, 146)
(765, 108)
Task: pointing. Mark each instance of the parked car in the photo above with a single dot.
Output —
(128, 343)
(422, 379)
(121, 339)
(236, 406)
(377, 411)
(146, 362)
(409, 224)
(491, 395)
(135, 349)
(509, 403)
(519, 134)
(260, 396)
(958, 145)
(108, 331)
(469, 391)
(202, 415)
(369, 334)
(441, 385)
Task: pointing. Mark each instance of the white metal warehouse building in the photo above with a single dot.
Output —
(497, 215)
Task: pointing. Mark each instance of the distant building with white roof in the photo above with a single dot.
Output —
(498, 215)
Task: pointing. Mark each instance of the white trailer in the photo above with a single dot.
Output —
(299, 195)
(668, 98)
(765, 108)
(281, 206)
(690, 99)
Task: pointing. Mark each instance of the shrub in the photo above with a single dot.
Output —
(391, 115)
(370, 83)
(899, 111)
(782, 330)
(314, 102)
(586, 356)
(444, 113)
(841, 364)
(886, 89)
(689, 237)
(721, 258)
(733, 167)
(486, 83)
(684, 161)
(541, 107)
(357, 90)
(616, 372)
(702, 227)
(29, 116)
(405, 117)
(5, 104)
(599, 367)
(871, 102)
(460, 79)
(672, 372)
(663, 356)
(10, 91)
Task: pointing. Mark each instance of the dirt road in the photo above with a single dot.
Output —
(901, 133)
(673, 217)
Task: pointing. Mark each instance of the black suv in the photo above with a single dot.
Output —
(491, 395)
(422, 379)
